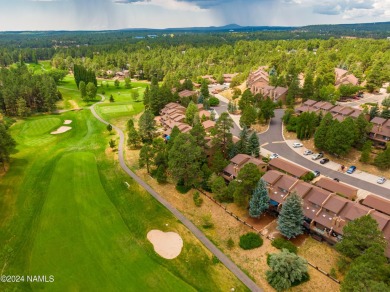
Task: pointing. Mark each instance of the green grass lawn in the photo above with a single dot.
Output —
(65, 211)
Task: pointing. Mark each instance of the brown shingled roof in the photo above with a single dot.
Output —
(337, 187)
(377, 203)
(288, 167)
(272, 176)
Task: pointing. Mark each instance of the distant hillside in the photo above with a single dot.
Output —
(225, 28)
(375, 30)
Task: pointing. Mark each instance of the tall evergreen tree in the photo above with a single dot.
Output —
(147, 98)
(291, 217)
(248, 116)
(293, 91)
(83, 90)
(242, 145)
(254, 145)
(308, 87)
(382, 160)
(199, 133)
(7, 145)
(204, 89)
(147, 126)
(133, 137)
(184, 159)
(222, 137)
(218, 162)
(260, 200)
(146, 156)
(359, 235)
(320, 136)
(191, 111)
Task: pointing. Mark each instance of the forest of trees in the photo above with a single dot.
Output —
(22, 92)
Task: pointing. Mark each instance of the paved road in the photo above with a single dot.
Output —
(223, 108)
(277, 145)
(199, 235)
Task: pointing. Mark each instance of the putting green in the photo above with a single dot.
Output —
(40, 126)
(116, 109)
(78, 231)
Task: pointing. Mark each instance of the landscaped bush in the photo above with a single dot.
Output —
(308, 176)
(197, 199)
(281, 243)
(207, 222)
(250, 240)
(213, 101)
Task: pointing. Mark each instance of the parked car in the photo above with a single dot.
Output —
(316, 173)
(308, 152)
(324, 160)
(297, 145)
(351, 169)
(336, 179)
(381, 180)
(317, 156)
(275, 155)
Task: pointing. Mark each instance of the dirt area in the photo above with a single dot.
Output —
(351, 159)
(260, 128)
(226, 227)
(229, 92)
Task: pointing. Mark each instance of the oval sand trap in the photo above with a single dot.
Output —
(167, 244)
(67, 122)
(61, 130)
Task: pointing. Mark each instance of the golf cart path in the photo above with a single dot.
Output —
(198, 234)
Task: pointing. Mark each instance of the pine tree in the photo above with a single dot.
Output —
(291, 217)
(293, 91)
(286, 268)
(254, 145)
(7, 145)
(359, 235)
(147, 126)
(248, 116)
(82, 88)
(308, 87)
(259, 201)
(133, 137)
(146, 156)
(161, 175)
(204, 89)
(199, 133)
(191, 111)
(320, 136)
(184, 158)
(222, 137)
(109, 128)
(218, 162)
(366, 150)
(242, 145)
(147, 98)
(383, 159)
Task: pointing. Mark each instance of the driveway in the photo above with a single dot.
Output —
(273, 141)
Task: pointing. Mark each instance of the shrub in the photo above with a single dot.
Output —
(333, 273)
(197, 199)
(230, 243)
(250, 240)
(207, 222)
(213, 101)
(308, 176)
(215, 260)
(281, 243)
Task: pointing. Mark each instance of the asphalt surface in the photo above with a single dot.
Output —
(277, 145)
(198, 234)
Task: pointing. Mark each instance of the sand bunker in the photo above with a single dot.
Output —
(67, 122)
(167, 244)
(61, 130)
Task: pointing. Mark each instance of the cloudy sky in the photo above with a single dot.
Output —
(115, 14)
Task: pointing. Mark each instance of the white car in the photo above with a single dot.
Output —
(297, 145)
(381, 180)
(275, 155)
(317, 156)
(308, 152)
